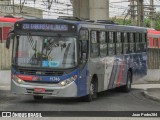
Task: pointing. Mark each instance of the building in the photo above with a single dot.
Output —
(6, 8)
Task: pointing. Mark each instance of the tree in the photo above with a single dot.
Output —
(147, 21)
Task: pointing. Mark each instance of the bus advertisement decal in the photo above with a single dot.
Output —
(45, 63)
(54, 63)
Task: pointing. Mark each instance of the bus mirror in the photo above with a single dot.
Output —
(9, 38)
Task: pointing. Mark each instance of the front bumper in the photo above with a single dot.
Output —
(69, 90)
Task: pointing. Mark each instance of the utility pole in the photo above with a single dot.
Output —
(152, 15)
(132, 9)
(13, 8)
(140, 17)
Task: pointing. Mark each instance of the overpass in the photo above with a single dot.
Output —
(91, 9)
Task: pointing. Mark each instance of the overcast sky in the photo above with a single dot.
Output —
(63, 7)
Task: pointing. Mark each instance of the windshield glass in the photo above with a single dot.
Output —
(43, 51)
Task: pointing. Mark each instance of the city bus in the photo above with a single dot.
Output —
(65, 58)
(6, 24)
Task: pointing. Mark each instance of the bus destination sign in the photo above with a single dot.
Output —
(44, 27)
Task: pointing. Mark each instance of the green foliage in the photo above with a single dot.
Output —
(147, 21)
(121, 21)
(157, 21)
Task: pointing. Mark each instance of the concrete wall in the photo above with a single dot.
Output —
(5, 77)
(153, 76)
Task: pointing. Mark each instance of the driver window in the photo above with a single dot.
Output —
(83, 51)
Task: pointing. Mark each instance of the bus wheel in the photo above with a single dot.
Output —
(127, 87)
(37, 97)
(92, 91)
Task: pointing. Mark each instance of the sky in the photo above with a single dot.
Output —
(64, 8)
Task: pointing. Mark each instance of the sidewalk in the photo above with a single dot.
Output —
(151, 91)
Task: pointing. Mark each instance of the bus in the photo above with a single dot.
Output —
(6, 24)
(153, 39)
(65, 58)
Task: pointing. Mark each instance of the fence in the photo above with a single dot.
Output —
(153, 58)
(5, 57)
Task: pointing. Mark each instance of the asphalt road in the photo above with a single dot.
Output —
(107, 101)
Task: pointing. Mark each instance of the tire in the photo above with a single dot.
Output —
(127, 87)
(92, 91)
(38, 97)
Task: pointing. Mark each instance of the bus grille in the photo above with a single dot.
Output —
(41, 72)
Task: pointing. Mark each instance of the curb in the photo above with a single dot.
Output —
(149, 96)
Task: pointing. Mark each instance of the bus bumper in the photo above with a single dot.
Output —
(50, 90)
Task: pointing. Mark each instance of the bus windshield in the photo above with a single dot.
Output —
(44, 51)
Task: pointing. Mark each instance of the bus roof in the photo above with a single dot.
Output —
(153, 32)
(88, 24)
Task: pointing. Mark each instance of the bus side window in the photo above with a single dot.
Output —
(125, 37)
(111, 37)
(132, 43)
(119, 43)
(137, 38)
(84, 34)
(125, 43)
(103, 44)
(137, 41)
(94, 44)
(143, 37)
(83, 50)
(111, 49)
(140, 37)
(142, 47)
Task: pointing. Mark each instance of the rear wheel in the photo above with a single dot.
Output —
(38, 97)
(92, 91)
(127, 87)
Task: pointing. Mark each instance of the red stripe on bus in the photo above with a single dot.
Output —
(120, 74)
(25, 77)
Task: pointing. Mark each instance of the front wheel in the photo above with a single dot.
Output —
(127, 87)
(92, 91)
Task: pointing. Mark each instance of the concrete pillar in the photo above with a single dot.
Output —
(80, 8)
(91, 9)
(99, 9)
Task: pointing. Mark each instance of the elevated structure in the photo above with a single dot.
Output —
(91, 9)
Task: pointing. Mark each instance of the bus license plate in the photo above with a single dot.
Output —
(39, 90)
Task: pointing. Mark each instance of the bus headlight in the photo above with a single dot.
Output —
(68, 81)
(17, 80)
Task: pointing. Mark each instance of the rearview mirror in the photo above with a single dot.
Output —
(9, 38)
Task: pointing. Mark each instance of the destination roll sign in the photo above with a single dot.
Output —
(46, 27)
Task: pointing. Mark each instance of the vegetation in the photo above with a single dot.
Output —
(147, 21)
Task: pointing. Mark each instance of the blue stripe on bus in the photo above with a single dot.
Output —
(82, 82)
